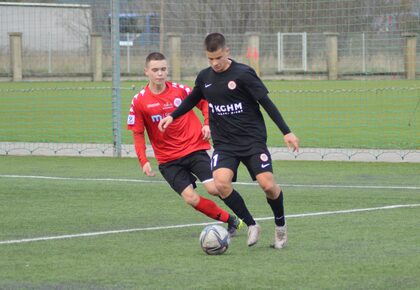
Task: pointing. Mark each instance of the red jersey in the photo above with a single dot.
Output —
(181, 138)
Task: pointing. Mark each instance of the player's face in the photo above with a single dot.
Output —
(219, 59)
(157, 71)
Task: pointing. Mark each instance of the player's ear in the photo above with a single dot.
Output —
(227, 50)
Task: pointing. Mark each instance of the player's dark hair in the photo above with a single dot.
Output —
(214, 41)
(154, 56)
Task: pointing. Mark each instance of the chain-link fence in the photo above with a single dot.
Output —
(80, 40)
(56, 35)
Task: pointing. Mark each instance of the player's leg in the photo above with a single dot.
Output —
(224, 172)
(199, 164)
(183, 182)
(204, 205)
(224, 169)
(261, 166)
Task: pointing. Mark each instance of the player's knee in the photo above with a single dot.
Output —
(223, 188)
(270, 188)
(213, 191)
(211, 188)
(191, 198)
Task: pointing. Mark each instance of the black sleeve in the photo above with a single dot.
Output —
(188, 103)
(253, 84)
(274, 114)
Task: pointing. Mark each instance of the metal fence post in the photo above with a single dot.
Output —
(116, 82)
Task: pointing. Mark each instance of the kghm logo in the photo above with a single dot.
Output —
(230, 109)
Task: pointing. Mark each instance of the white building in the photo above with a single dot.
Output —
(46, 27)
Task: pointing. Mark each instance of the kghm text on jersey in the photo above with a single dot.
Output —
(229, 109)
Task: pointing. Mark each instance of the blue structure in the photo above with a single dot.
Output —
(142, 29)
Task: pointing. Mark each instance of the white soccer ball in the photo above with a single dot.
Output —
(214, 240)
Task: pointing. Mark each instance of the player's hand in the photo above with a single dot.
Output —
(206, 132)
(147, 169)
(164, 123)
(291, 140)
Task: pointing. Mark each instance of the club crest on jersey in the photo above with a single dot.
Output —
(264, 157)
(232, 85)
(177, 102)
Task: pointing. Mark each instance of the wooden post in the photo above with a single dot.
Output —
(174, 40)
(16, 55)
(410, 55)
(332, 55)
(96, 57)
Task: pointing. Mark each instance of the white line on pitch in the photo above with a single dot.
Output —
(91, 234)
(240, 183)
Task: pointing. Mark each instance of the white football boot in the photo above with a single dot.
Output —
(280, 237)
(253, 234)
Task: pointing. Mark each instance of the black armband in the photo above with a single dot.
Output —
(274, 114)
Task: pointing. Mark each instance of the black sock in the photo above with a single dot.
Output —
(236, 203)
(278, 209)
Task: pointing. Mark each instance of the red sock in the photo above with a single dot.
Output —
(211, 209)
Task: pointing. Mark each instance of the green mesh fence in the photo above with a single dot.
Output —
(374, 110)
(69, 117)
(76, 118)
(354, 116)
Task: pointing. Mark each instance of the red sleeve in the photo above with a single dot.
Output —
(204, 108)
(202, 105)
(140, 146)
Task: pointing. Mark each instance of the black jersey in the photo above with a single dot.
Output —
(236, 122)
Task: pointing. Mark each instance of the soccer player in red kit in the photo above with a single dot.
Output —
(180, 150)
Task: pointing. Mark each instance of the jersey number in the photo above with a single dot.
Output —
(214, 162)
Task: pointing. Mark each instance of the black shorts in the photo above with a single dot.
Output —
(256, 163)
(182, 172)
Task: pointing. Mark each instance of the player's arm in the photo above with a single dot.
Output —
(140, 147)
(203, 106)
(186, 106)
(289, 138)
(135, 123)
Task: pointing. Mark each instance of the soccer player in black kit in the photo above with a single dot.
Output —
(234, 93)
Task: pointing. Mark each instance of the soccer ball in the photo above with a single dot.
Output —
(214, 240)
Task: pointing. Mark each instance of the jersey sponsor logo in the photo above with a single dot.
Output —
(230, 109)
(177, 102)
(232, 85)
(153, 105)
(264, 157)
(207, 85)
(131, 120)
(156, 118)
